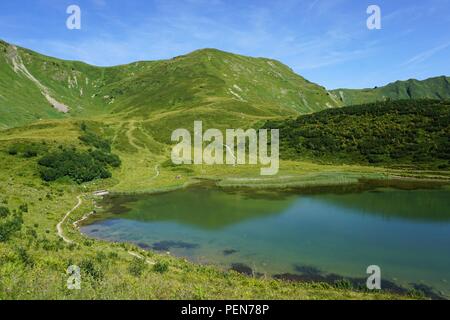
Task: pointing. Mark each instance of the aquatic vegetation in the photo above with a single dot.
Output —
(242, 268)
(166, 245)
(228, 252)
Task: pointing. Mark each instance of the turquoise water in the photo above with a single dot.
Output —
(405, 233)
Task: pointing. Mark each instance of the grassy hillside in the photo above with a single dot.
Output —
(395, 133)
(432, 88)
(34, 259)
(210, 82)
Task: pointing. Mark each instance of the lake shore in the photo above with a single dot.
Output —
(109, 263)
(318, 181)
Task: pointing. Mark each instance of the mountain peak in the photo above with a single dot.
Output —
(212, 53)
(204, 81)
(208, 51)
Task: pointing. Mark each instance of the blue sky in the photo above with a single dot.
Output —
(326, 41)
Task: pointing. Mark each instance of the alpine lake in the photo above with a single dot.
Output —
(317, 234)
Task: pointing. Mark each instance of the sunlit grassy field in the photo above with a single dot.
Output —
(34, 261)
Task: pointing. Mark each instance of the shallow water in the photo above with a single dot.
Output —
(309, 236)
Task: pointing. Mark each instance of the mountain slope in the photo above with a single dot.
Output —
(33, 87)
(432, 88)
(393, 133)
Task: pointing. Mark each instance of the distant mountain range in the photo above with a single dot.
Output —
(432, 88)
(220, 88)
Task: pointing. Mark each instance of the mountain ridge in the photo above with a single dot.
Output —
(205, 78)
(431, 88)
(218, 87)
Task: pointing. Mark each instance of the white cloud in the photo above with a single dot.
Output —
(423, 56)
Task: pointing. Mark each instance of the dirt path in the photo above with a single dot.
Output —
(67, 240)
(129, 134)
(76, 224)
(60, 224)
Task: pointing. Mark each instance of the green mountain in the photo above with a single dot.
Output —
(137, 106)
(391, 133)
(432, 88)
(208, 84)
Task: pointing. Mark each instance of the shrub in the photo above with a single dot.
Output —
(23, 207)
(24, 257)
(30, 153)
(13, 150)
(49, 245)
(91, 269)
(94, 140)
(80, 166)
(161, 267)
(9, 226)
(113, 255)
(106, 158)
(4, 212)
(32, 233)
(137, 266)
(28, 150)
(100, 256)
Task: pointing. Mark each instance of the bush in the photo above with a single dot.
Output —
(13, 150)
(24, 257)
(4, 212)
(80, 166)
(23, 207)
(100, 256)
(28, 150)
(137, 266)
(161, 267)
(9, 226)
(30, 153)
(106, 158)
(49, 245)
(94, 140)
(91, 269)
